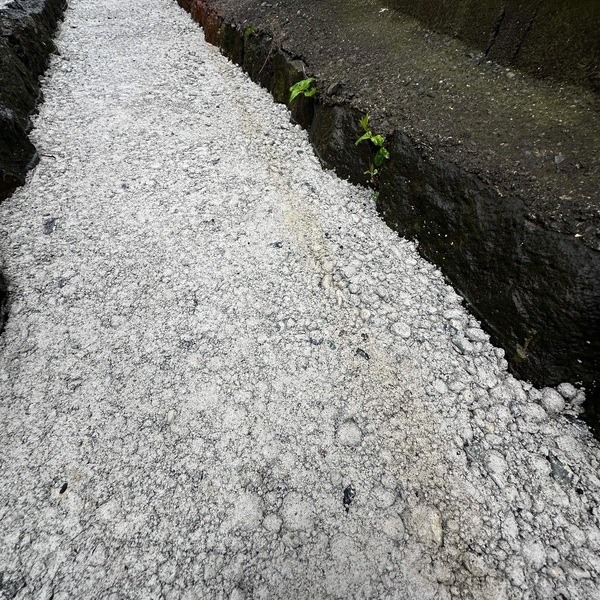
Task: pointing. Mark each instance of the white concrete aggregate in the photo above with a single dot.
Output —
(211, 339)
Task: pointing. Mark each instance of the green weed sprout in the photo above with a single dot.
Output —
(303, 87)
(378, 141)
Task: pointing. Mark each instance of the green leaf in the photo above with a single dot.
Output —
(364, 122)
(381, 155)
(363, 137)
(302, 87)
(378, 140)
(294, 94)
(249, 31)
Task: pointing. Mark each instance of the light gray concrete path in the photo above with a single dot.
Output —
(224, 377)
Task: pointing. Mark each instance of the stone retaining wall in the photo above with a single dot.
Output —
(26, 30)
(547, 38)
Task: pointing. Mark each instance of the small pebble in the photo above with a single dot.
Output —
(401, 330)
(567, 390)
(349, 434)
(552, 401)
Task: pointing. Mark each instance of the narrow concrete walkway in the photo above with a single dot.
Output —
(224, 377)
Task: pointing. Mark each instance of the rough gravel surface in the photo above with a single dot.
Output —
(224, 377)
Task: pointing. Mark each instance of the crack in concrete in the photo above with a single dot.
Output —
(495, 32)
(527, 32)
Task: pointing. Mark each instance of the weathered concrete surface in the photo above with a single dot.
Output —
(547, 38)
(495, 174)
(3, 301)
(224, 377)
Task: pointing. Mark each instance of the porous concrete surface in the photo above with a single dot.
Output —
(224, 377)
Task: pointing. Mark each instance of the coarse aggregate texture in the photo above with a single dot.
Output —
(224, 377)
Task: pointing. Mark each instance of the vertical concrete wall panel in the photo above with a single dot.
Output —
(547, 38)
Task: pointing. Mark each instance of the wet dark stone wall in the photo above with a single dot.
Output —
(26, 30)
(546, 38)
(536, 291)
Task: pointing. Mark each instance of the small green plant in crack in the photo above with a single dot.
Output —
(249, 31)
(378, 141)
(303, 87)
